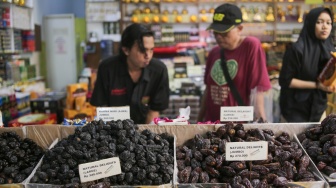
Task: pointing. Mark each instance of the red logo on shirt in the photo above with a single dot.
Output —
(145, 100)
(121, 91)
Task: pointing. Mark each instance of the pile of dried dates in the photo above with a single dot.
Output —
(18, 157)
(146, 158)
(320, 143)
(202, 159)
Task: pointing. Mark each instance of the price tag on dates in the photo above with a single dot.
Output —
(99, 169)
(113, 113)
(236, 113)
(246, 151)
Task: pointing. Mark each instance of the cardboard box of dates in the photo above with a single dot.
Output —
(201, 158)
(185, 135)
(319, 142)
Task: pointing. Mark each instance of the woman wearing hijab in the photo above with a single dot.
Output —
(302, 97)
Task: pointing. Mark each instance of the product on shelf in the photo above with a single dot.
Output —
(51, 103)
(77, 105)
(34, 119)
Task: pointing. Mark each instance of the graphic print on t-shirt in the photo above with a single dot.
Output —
(219, 92)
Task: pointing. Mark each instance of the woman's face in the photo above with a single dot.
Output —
(323, 26)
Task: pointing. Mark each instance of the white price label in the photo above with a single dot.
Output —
(99, 169)
(113, 113)
(236, 113)
(246, 151)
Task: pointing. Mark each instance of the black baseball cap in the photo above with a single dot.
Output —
(225, 17)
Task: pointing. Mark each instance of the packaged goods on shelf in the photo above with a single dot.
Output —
(77, 105)
(50, 103)
(76, 95)
(87, 112)
(33, 119)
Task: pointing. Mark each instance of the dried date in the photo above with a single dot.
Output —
(204, 177)
(184, 175)
(280, 181)
(227, 171)
(260, 169)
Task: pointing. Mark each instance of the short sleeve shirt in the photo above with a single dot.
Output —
(114, 87)
(247, 68)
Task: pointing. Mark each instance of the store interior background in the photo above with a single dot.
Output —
(92, 42)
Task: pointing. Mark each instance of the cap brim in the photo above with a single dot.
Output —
(220, 28)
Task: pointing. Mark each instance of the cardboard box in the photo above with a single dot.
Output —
(87, 111)
(74, 91)
(44, 135)
(50, 101)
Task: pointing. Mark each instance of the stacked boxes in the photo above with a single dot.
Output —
(8, 108)
(28, 41)
(23, 103)
(76, 102)
(5, 70)
(52, 103)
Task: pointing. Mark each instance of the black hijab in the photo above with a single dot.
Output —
(315, 52)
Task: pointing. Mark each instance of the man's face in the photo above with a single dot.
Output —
(230, 39)
(137, 59)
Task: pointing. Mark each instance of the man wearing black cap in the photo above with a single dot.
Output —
(246, 66)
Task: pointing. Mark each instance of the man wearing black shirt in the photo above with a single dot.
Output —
(133, 78)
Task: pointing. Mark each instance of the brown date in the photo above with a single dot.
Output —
(304, 163)
(328, 170)
(324, 158)
(290, 169)
(247, 183)
(280, 181)
(210, 160)
(320, 165)
(212, 171)
(332, 151)
(227, 171)
(198, 155)
(184, 175)
(204, 177)
(249, 174)
(326, 137)
(207, 152)
(238, 165)
(270, 177)
(239, 126)
(260, 169)
(240, 133)
(273, 166)
(221, 131)
(194, 176)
